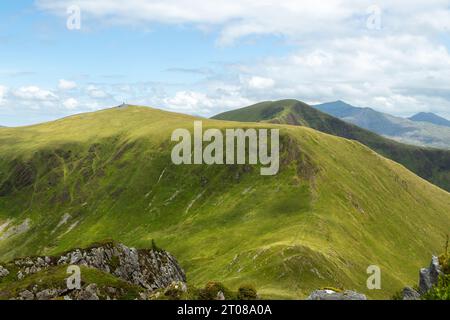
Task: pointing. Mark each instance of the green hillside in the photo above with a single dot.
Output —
(334, 208)
(430, 164)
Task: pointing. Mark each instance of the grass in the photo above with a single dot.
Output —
(429, 163)
(335, 207)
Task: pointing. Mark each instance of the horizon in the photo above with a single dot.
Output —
(195, 115)
(66, 57)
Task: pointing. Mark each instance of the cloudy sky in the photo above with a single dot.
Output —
(203, 57)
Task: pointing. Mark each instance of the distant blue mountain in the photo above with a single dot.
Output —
(423, 133)
(431, 118)
(366, 118)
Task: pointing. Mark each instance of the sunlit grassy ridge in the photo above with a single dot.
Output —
(335, 207)
(429, 163)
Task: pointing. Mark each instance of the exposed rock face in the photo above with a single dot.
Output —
(46, 294)
(175, 291)
(333, 295)
(3, 272)
(410, 294)
(428, 277)
(26, 295)
(89, 293)
(14, 230)
(149, 269)
(220, 296)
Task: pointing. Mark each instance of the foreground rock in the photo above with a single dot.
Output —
(333, 295)
(3, 272)
(140, 270)
(410, 294)
(429, 276)
(151, 269)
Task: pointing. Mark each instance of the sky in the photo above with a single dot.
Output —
(61, 57)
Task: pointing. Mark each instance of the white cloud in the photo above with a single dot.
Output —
(66, 84)
(395, 74)
(235, 18)
(403, 67)
(96, 93)
(290, 18)
(259, 83)
(188, 101)
(70, 103)
(204, 104)
(34, 93)
(3, 92)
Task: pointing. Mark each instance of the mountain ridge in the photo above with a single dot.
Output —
(431, 164)
(431, 118)
(334, 208)
(396, 128)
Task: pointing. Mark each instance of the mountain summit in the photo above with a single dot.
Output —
(431, 118)
(428, 133)
(430, 164)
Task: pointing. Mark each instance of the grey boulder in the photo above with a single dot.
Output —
(409, 293)
(3, 272)
(333, 295)
(428, 277)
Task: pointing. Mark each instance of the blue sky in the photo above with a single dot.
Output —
(203, 57)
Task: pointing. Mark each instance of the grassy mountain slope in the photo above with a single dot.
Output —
(334, 208)
(430, 133)
(431, 164)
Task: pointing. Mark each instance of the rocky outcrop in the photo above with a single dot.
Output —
(149, 270)
(334, 295)
(89, 291)
(3, 272)
(15, 230)
(174, 291)
(428, 277)
(409, 293)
